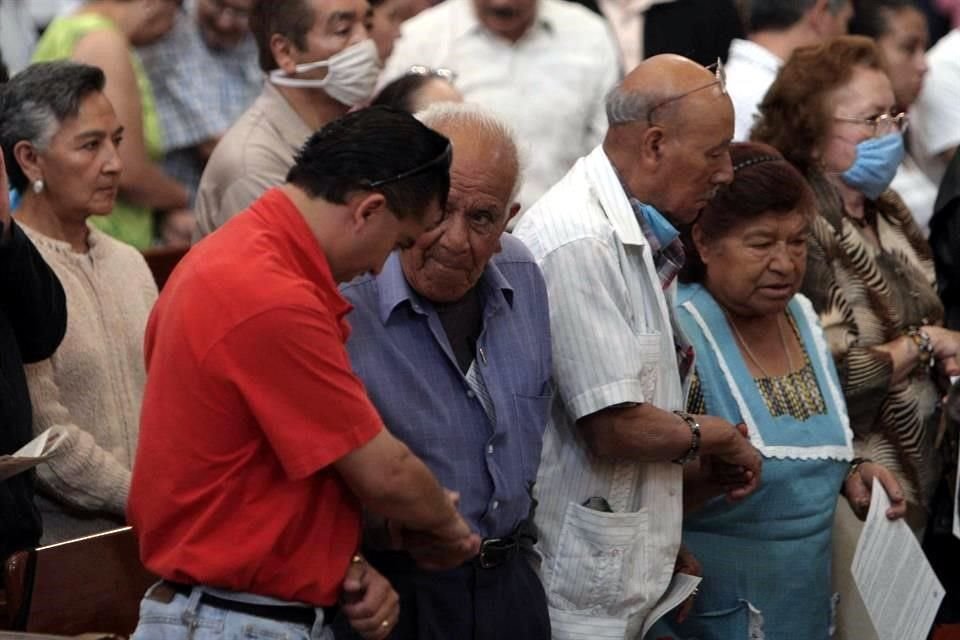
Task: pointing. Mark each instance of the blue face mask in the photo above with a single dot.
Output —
(661, 227)
(877, 162)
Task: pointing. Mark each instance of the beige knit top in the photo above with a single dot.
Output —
(93, 384)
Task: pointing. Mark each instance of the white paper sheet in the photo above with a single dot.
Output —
(897, 584)
(31, 454)
(681, 586)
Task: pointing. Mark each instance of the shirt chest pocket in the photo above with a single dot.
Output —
(600, 561)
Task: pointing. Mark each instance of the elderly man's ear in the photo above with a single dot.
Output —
(513, 211)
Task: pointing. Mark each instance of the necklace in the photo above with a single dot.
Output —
(750, 354)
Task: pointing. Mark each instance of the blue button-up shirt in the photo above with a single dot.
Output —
(401, 352)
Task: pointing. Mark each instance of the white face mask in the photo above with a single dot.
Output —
(351, 74)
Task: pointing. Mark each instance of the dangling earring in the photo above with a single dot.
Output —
(38, 185)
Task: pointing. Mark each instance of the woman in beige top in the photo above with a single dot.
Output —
(61, 134)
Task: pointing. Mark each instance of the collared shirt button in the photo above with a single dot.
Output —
(495, 505)
(490, 449)
(471, 393)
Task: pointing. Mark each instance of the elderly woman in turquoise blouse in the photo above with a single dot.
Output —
(762, 362)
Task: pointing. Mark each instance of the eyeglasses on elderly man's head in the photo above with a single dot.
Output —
(439, 72)
(720, 79)
(882, 124)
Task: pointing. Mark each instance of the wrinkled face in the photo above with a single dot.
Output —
(757, 267)
(448, 260)
(156, 19)
(223, 23)
(337, 25)
(696, 155)
(868, 94)
(385, 28)
(508, 19)
(81, 166)
(904, 46)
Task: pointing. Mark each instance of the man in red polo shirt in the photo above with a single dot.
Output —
(258, 446)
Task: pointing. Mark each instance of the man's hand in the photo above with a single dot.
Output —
(368, 601)
(729, 458)
(687, 563)
(858, 485)
(4, 199)
(444, 548)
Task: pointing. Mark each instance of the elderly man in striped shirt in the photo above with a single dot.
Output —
(618, 445)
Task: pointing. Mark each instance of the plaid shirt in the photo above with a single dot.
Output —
(199, 92)
(669, 259)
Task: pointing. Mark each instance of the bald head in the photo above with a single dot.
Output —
(659, 81)
(670, 128)
(477, 136)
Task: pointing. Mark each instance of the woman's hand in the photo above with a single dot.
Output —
(859, 483)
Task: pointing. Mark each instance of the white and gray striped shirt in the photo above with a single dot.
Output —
(613, 342)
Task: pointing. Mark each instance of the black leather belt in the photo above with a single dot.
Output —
(495, 551)
(291, 613)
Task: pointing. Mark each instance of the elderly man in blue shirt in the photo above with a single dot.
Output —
(452, 340)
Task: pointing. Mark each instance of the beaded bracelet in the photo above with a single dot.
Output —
(694, 449)
(922, 339)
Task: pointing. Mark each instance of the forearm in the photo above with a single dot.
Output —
(405, 491)
(645, 433)
(904, 356)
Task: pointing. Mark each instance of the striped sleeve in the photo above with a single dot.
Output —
(596, 352)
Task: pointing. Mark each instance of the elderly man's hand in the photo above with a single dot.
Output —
(735, 465)
(4, 198)
(859, 484)
(686, 563)
(368, 601)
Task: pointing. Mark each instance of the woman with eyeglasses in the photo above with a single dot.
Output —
(832, 112)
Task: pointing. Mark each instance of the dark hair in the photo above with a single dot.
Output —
(376, 149)
(36, 101)
(794, 115)
(400, 93)
(291, 19)
(3, 70)
(763, 182)
(871, 18)
(778, 15)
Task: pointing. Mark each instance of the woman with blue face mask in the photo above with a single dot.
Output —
(869, 275)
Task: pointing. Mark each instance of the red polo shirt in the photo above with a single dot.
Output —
(249, 399)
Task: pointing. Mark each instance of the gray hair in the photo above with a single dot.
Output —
(463, 114)
(35, 103)
(624, 107)
(777, 15)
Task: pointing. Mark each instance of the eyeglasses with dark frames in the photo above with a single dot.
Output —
(883, 124)
(720, 79)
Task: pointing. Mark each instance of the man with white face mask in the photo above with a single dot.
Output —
(320, 62)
